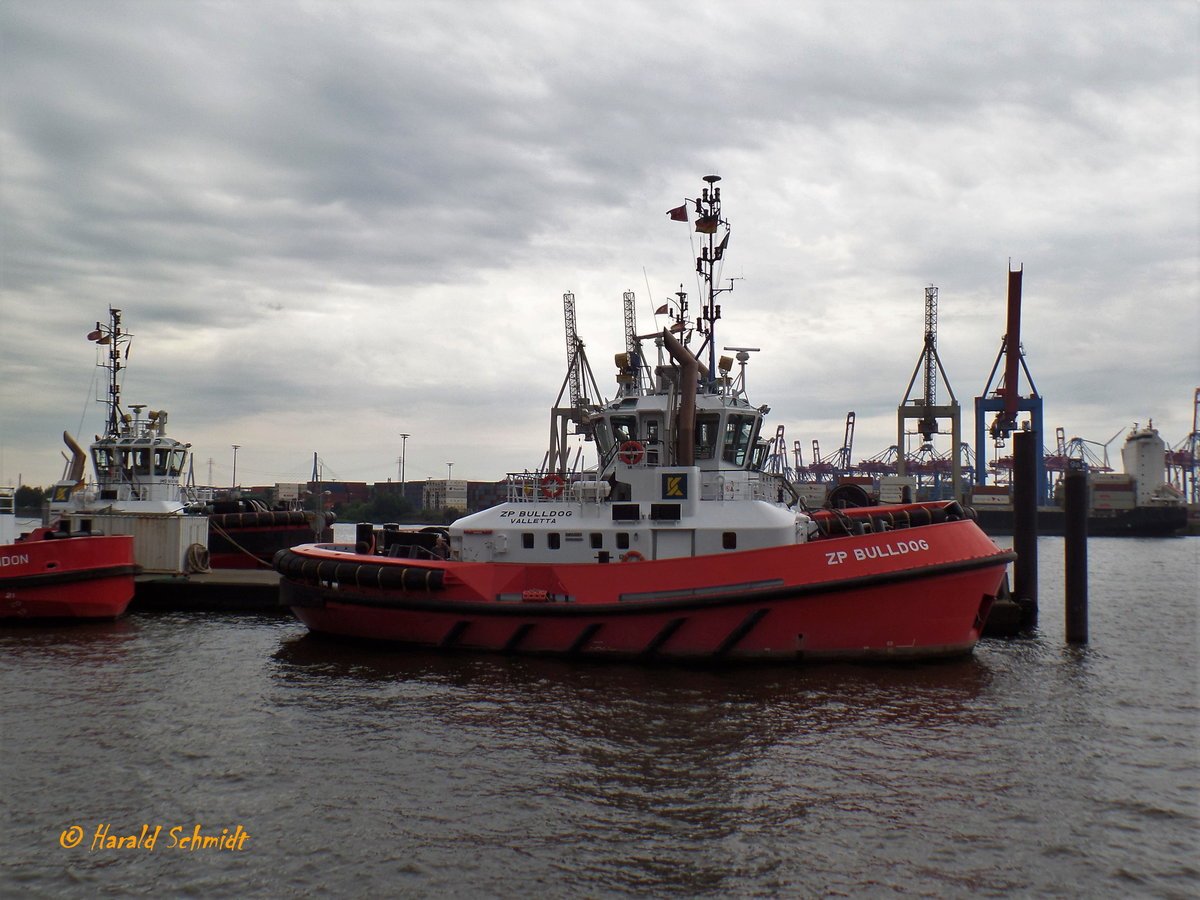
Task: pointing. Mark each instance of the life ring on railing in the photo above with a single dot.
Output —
(632, 556)
(632, 453)
(552, 485)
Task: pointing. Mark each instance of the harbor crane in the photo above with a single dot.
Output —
(836, 463)
(1184, 458)
(777, 458)
(579, 378)
(1006, 401)
(842, 457)
(631, 372)
(925, 409)
(821, 468)
(574, 350)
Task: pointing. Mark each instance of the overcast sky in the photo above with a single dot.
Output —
(328, 223)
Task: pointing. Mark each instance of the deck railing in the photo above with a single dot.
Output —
(548, 487)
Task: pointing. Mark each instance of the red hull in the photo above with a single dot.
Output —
(915, 593)
(82, 577)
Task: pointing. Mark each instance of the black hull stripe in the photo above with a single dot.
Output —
(663, 636)
(70, 576)
(294, 595)
(746, 626)
(583, 638)
(521, 632)
(452, 636)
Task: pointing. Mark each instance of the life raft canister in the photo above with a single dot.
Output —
(552, 485)
(632, 453)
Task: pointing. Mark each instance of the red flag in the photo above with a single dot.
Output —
(678, 214)
(662, 310)
(720, 251)
(707, 225)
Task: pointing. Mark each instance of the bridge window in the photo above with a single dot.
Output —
(135, 462)
(761, 448)
(706, 435)
(653, 442)
(161, 461)
(739, 432)
(603, 437)
(624, 429)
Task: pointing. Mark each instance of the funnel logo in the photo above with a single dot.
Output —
(674, 487)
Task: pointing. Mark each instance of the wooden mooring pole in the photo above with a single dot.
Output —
(1025, 530)
(1075, 555)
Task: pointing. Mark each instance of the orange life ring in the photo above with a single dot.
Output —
(632, 453)
(632, 556)
(552, 485)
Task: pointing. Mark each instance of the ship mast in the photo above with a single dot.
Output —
(115, 339)
(709, 222)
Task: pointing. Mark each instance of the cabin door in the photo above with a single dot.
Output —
(671, 543)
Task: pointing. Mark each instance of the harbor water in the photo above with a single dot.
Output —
(192, 755)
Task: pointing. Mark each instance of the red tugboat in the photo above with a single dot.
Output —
(677, 545)
(54, 574)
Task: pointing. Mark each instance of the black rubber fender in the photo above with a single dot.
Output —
(293, 565)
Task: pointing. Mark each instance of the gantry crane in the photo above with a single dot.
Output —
(1007, 400)
(843, 455)
(630, 370)
(925, 409)
(1182, 459)
(777, 458)
(579, 379)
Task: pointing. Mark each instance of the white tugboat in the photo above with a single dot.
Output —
(139, 488)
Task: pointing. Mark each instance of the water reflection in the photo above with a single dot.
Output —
(557, 689)
(18, 634)
(653, 775)
(92, 645)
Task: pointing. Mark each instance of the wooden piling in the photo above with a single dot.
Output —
(1075, 561)
(1025, 532)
